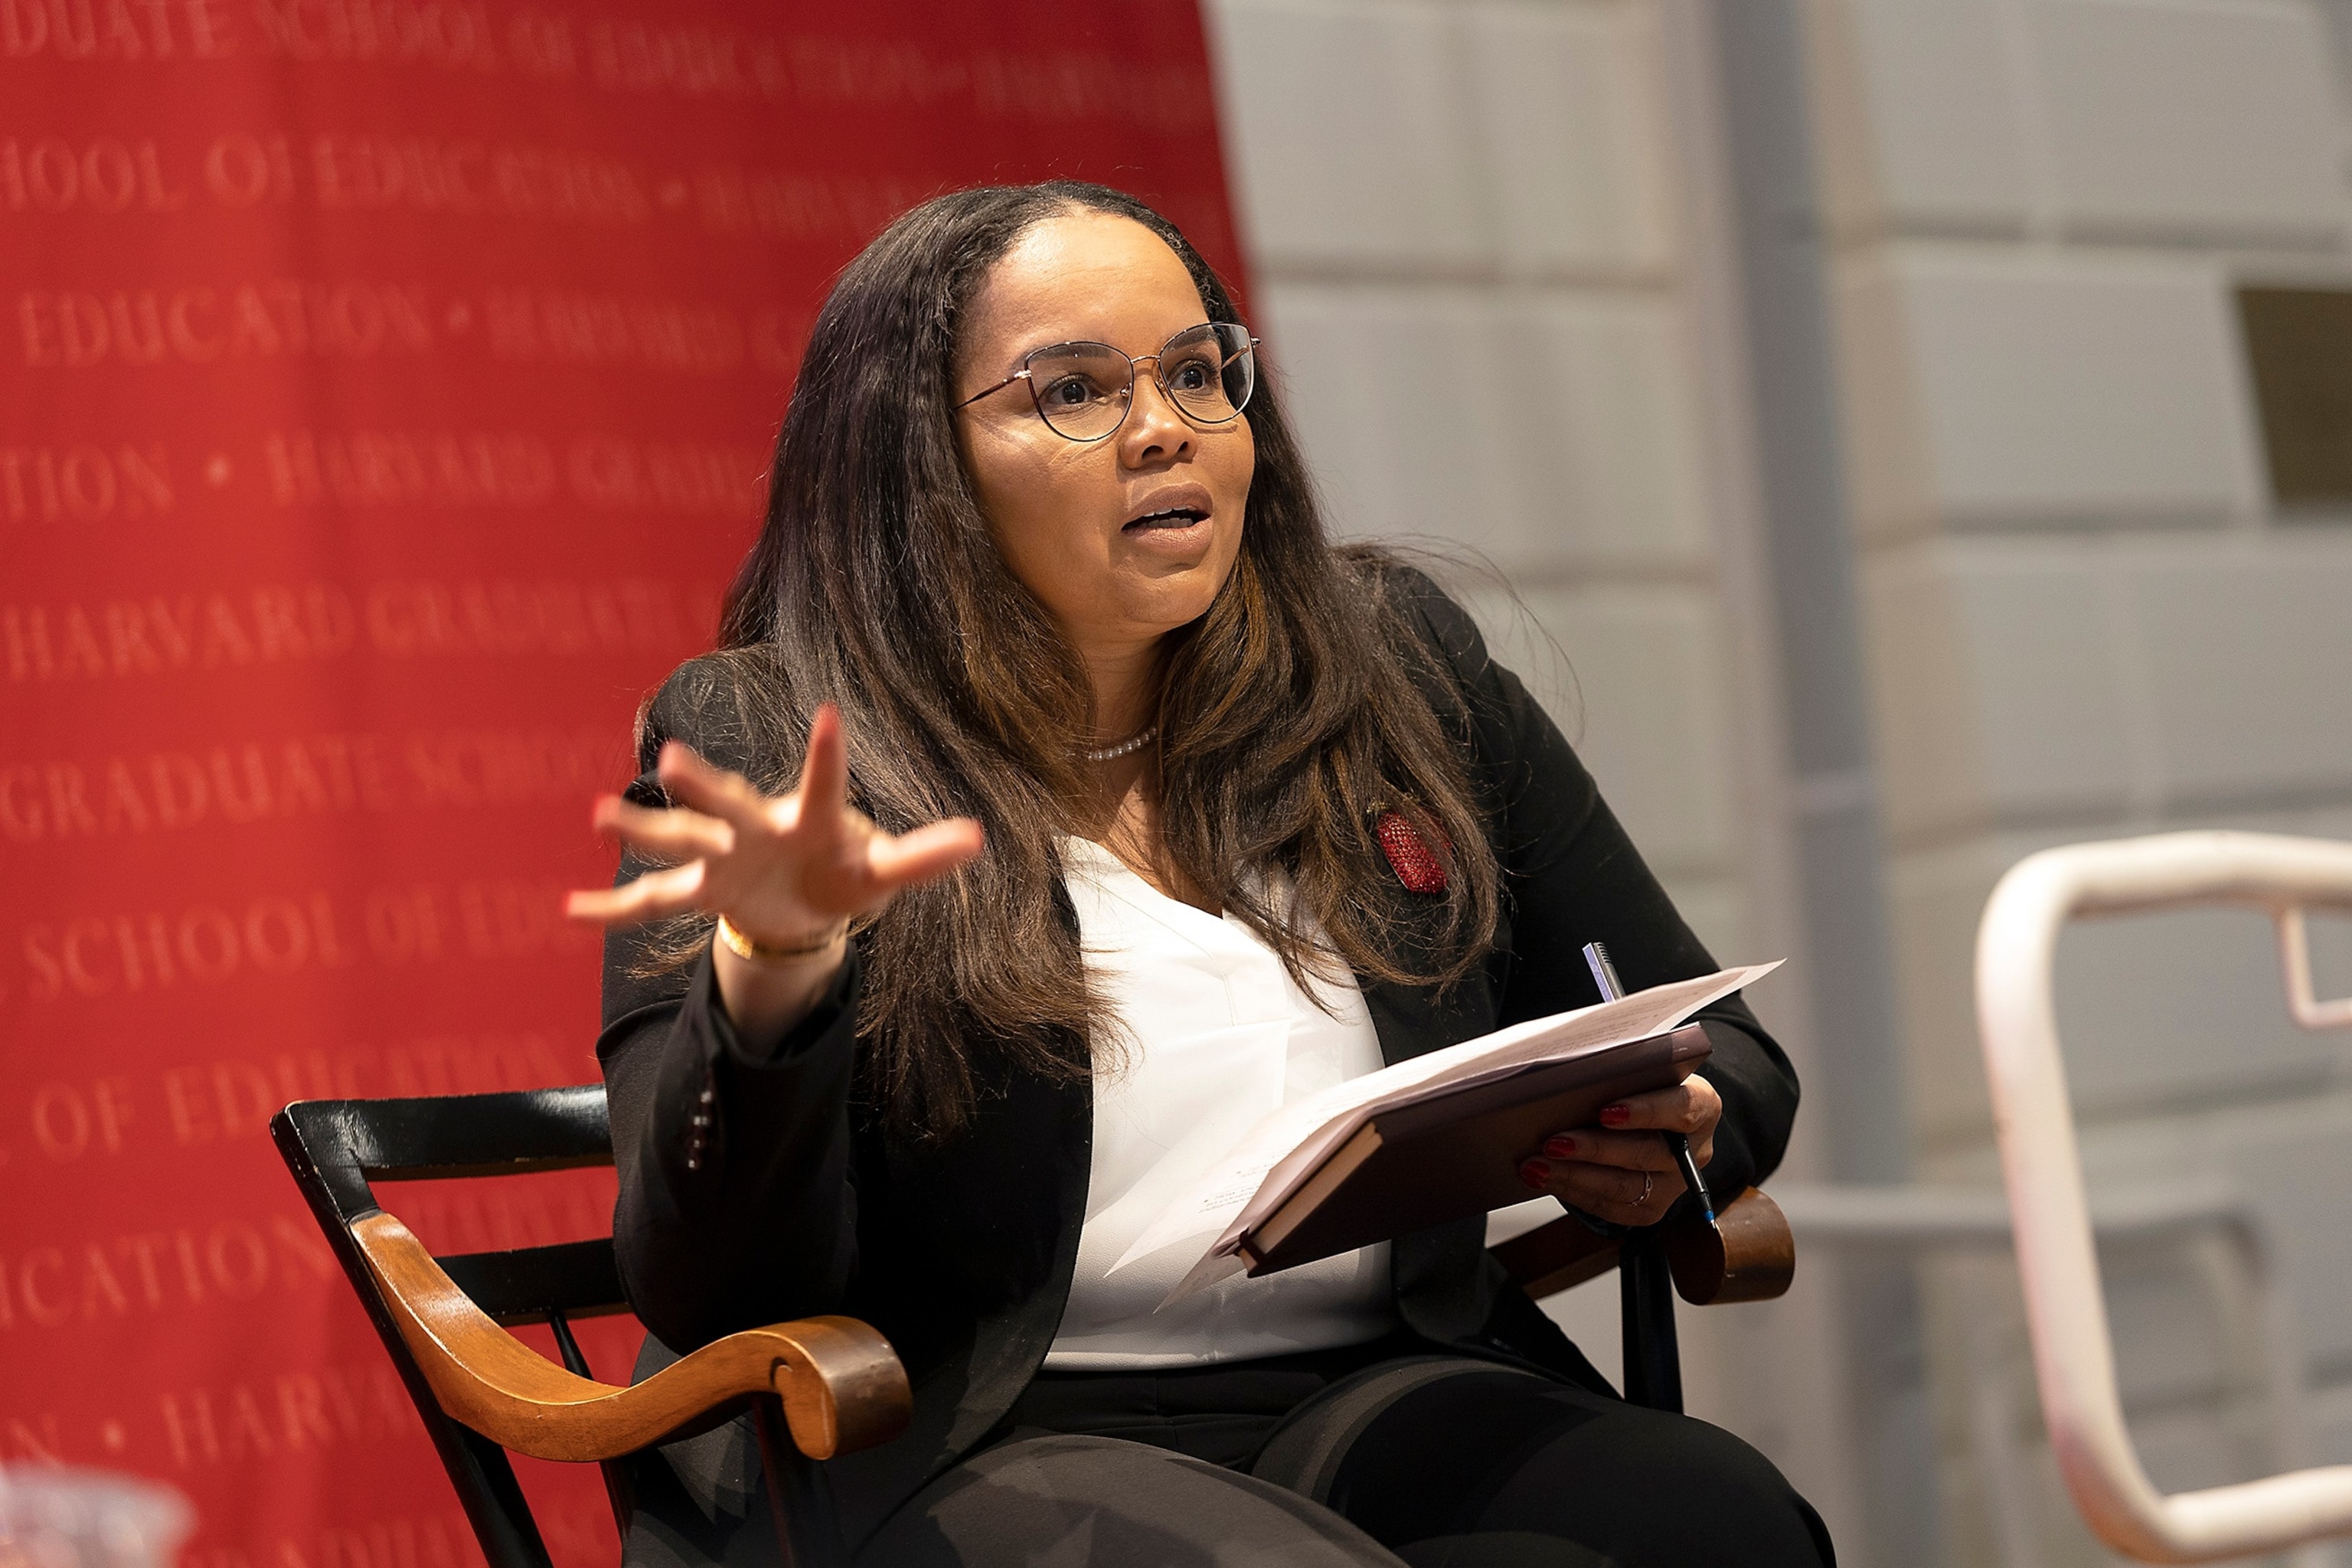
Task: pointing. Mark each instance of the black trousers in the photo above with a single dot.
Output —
(1352, 1459)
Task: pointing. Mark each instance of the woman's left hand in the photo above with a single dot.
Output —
(1622, 1171)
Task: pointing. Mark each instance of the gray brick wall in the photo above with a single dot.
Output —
(2085, 617)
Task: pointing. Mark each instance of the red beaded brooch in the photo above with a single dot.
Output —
(1419, 869)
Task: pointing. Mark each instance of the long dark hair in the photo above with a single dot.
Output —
(1289, 714)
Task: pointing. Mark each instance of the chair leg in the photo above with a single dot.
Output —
(808, 1532)
(1645, 1300)
(620, 1490)
(492, 1498)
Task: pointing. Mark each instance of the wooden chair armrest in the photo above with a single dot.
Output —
(1557, 1257)
(1749, 1254)
(841, 1383)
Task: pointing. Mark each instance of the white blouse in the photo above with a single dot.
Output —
(1217, 1034)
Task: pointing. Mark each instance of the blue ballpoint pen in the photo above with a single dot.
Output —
(1604, 975)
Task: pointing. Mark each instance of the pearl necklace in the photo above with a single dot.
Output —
(1134, 742)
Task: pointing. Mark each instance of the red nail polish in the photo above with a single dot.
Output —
(1616, 1115)
(1534, 1172)
(1559, 1148)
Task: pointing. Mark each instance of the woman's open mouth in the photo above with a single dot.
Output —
(1173, 517)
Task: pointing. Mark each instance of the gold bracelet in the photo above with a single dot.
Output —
(750, 952)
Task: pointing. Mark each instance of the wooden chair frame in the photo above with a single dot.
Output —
(1748, 1255)
(819, 1386)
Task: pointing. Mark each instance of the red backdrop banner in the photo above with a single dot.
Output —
(385, 394)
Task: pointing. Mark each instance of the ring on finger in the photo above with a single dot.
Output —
(1647, 1177)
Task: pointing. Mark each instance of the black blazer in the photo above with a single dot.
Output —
(962, 1252)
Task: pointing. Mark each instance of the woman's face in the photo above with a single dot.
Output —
(1124, 539)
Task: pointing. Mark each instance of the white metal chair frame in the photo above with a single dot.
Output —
(2066, 1317)
(2209, 1221)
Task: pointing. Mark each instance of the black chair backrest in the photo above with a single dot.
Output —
(335, 1148)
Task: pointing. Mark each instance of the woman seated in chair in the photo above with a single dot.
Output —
(1062, 800)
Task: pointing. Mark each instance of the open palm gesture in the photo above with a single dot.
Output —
(783, 868)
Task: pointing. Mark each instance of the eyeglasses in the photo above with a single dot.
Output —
(1083, 390)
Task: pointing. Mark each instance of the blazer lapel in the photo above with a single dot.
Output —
(1412, 1020)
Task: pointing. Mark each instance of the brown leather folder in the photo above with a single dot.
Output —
(1457, 1153)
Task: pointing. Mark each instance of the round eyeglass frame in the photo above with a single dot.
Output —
(1249, 351)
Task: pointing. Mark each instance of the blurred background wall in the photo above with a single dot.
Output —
(2083, 605)
(2092, 608)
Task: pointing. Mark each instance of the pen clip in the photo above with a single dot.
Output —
(1604, 973)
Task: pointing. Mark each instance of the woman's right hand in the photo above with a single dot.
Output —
(782, 868)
